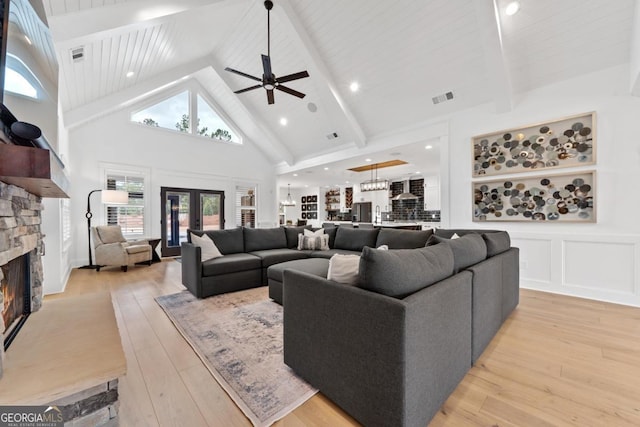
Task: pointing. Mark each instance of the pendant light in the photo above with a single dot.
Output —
(289, 200)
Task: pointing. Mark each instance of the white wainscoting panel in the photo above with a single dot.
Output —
(535, 260)
(601, 267)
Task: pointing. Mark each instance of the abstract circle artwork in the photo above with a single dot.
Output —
(546, 198)
(567, 142)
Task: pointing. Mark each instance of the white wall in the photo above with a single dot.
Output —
(294, 213)
(601, 260)
(170, 159)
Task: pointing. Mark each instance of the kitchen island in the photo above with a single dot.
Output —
(401, 225)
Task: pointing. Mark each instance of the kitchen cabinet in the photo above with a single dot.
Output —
(432, 193)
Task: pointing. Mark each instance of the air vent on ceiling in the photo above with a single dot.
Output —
(332, 135)
(77, 54)
(442, 98)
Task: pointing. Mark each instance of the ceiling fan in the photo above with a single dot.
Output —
(269, 80)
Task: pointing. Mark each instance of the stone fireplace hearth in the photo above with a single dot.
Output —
(20, 234)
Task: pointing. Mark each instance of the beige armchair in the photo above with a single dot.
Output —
(111, 248)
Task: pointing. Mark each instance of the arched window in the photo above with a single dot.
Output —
(20, 80)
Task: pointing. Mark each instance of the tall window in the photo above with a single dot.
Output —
(129, 217)
(65, 214)
(246, 206)
(176, 113)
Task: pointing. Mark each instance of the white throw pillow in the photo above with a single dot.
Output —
(316, 233)
(344, 269)
(383, 248)
(208, 249)
(314, 243)
(455, 236)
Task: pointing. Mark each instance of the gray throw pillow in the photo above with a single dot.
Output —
(497, 242)
(401, 272)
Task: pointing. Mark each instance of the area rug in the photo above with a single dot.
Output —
(238, 336)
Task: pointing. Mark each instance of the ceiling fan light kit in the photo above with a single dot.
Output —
(269, 81)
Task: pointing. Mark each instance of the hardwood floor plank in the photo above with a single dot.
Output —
(557, 360)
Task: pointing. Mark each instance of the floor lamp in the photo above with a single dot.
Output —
(111, 197)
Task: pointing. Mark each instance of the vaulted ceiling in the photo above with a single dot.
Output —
(402, 53)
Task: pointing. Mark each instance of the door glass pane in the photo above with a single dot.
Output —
(210, 211)
(177, 220)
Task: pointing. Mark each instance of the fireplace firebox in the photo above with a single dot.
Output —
(16, 290)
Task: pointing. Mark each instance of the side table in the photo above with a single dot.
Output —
(154, 244)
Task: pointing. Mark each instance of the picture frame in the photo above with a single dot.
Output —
(303, 215)
(304, 199)
(560, 143)
(303, 207)
(568, 197)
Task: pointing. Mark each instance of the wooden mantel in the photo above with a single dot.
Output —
(34, 169)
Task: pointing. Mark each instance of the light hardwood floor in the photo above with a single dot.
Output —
(556, 361)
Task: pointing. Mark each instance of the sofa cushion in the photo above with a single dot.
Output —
(275, 256)
(467, 251)
(230, 241)
(331, 232)
(231, 263)
(208, 249)
(318, 242)
(259, 239)
(136, 249)
(291, 234)
(497, 242)
(331, 252)
(448, 233)
(402, 239)
(344, 269)
(313, 266)
(401, 272)
(354, 239)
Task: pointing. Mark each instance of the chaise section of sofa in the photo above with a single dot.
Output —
(387, 361)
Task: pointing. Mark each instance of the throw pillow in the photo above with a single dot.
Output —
(344, 269)
(316, 233)
(383, 248)
(314, 243)
(208, 249)
(455, 236)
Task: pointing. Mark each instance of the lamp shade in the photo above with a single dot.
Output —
(115, 197)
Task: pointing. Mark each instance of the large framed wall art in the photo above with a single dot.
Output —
(568, 197)
(562, 143)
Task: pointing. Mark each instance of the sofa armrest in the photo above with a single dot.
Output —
(386, 361)
(192, 268)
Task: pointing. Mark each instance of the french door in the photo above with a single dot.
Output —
(184, 208)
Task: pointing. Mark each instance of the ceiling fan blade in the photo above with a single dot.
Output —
(290, 91)
(270, 98)
(266, 66)
(294, 76)
(231, 70)
(248, 89)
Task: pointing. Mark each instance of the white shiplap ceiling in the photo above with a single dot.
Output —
(403, 53)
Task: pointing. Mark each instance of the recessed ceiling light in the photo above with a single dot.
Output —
(295, 174)
(326, 169)
(428, 147)
(306, 186)
(418, 172)
(512, 8)
(367, 160)
(130, 74)
(28, 40)
(354, 86)
(346, 182)
(283, 121)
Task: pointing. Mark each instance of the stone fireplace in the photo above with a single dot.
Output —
(20, 234)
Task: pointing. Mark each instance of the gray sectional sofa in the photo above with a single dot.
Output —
(390, 350)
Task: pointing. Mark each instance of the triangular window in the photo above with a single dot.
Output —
(174, 113)
(210, 124)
